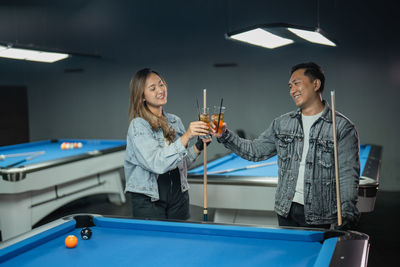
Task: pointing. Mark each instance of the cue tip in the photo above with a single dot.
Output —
(332, 93)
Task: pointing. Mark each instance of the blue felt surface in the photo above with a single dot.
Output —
(364, 154)
(233, 161)
(118, 242)
(53, 150)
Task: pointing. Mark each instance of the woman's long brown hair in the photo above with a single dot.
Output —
(138, 107)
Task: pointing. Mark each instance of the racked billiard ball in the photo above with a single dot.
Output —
(86, 233)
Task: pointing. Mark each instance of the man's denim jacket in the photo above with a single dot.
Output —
(285, 138)
(148, 155)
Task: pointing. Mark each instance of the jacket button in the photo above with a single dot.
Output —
(296, 157)
(300, 139)
(291, 178)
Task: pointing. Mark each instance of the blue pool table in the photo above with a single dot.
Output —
(129, 242)
(38, 185)
(248, 195)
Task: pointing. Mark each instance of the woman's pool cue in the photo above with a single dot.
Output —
(338, 202)
(205, 212)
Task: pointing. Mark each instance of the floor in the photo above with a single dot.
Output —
(382, 225)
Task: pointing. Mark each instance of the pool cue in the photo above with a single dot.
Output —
(245, 168)
(338, 201)
(26, 159)
(205, 212)
(4, 156)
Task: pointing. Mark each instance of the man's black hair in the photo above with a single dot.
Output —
(312, 71)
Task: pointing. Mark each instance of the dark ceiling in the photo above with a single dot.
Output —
(127, 30)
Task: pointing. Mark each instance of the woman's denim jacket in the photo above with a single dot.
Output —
(148, 155)
(285, 138)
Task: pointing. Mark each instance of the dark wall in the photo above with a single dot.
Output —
(14, 126)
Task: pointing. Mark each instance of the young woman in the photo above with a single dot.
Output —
(157, 152)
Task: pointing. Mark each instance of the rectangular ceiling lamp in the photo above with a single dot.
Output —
(316, 36)
(31, 55)
(275, 35)
(261, 37)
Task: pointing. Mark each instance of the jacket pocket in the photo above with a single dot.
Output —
(325, 153)
(285, 149)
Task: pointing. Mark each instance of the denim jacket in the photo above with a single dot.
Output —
(148, 155)
(285, 138)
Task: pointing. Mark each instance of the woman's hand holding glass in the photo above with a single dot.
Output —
(196, 128)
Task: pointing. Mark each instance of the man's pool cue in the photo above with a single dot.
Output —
(338, 202)
(205, 212)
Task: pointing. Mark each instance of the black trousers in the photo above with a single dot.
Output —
(296, 218)
(173, 204)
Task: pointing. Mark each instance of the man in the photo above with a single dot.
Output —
(303, 140)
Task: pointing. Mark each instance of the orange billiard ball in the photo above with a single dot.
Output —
(71, 241)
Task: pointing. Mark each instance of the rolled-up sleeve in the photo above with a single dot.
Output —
(191, 155)
(259, 149)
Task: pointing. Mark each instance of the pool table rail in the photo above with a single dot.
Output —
(16, 174)
(58, 178)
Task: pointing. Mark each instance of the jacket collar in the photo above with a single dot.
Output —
(326, 113)
(169, 117)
